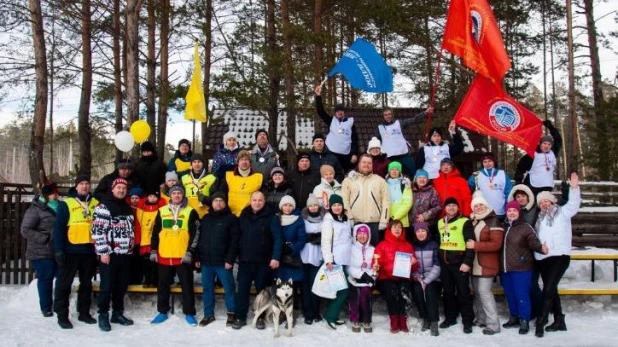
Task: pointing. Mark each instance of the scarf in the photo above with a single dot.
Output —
(479, 217)
(52, 204)
(550, 213)
(287, 219)
(244, 173)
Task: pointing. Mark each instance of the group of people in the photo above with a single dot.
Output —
(416, 235)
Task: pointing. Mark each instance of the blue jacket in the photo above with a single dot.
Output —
(61, 229)
(295, 238)
(259, 243)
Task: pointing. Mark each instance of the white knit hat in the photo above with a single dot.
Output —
(229, 135)
(374, 143)
(287, 200)
(545, 195)
(478, 198)
(312, 200)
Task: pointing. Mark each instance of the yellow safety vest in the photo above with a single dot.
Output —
(174, 243)
(146, 221)
(79, 223)
(191, 191)
(240, 190)
(453, 239)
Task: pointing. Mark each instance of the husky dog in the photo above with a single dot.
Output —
(274, 300)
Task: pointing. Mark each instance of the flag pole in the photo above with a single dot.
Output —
(194, 135)
(432, 98)
(324, 81)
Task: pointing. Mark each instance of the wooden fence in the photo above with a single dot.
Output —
(596, 228)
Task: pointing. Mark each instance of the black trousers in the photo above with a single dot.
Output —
(311, 302)
(85, 266)
(398, 296)
(150, 270)
(166, 278)
(427, 300)
(258, 274)
(536, 295)
(136, 267)
(456, 287)
(344, 160)
(114, 282)
(552, 269)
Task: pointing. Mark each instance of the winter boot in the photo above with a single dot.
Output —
(119, 318)
(367, 327)
(403, 323)
(86, 318)
(524, 327)
(394, 324)
(557, 325)
(513, 322)
(540, 324)
(231, 317)
(65, 323)
(239, 323)
(104, 322)
(47, 314)
(426, 325)
(433, 327)
(356, 328)
(447, 323)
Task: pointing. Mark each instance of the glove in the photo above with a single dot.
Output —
(59, 259)
(187, 258)
(382, 226)
(547, 124)
(368, 279)
(564, 189)
(153, 256)
(314, 238)
(406, 182)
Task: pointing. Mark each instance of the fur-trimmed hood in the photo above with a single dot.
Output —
(527, 190)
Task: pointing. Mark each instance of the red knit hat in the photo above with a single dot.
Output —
(118, 181)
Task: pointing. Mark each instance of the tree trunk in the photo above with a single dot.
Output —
(132, 61)
(51, 92)
(317, 51)
(288, 72)
(83, 127)
(116, 51)
(600, 136)
(37, 139)
(572, 139)
(150, 70)
(165, 83)
(274, 78)
(207, 28)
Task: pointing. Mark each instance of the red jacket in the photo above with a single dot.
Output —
(387, 249)
(452, 185)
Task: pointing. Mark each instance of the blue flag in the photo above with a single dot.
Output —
(364, 68)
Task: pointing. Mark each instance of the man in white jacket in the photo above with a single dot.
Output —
(367, 198)
(554, 229)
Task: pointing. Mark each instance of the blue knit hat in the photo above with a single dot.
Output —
(421, 173)
(136, 191)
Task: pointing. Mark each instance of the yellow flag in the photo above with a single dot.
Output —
(196, 104)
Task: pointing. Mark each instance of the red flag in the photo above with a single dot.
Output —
(488, 110)
(472, 33)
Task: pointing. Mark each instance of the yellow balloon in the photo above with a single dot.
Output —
(140, 131)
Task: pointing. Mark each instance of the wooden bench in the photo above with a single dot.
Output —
(594, 257)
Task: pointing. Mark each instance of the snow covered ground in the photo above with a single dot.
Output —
(591, 322)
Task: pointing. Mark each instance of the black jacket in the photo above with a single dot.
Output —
(274, 194)
(326, 157)
(259, 243)
(151, 172)
(302, 185)
(218, 238)
(38, 229)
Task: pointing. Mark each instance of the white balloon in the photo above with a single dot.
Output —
(124, 141)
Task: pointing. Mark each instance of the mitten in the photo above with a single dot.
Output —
(547, 124)
(352, 175)
(153, 256)
(382, 226)
(406, 182)
(367, 279)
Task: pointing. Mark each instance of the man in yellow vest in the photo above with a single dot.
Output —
(198, 183)
(455, 264)
(74, 252)
(176, 226)
(240, 183)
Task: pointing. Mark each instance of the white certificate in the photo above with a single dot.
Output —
(336, 278)
(403, 265)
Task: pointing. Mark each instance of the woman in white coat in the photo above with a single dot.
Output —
(554, 229)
